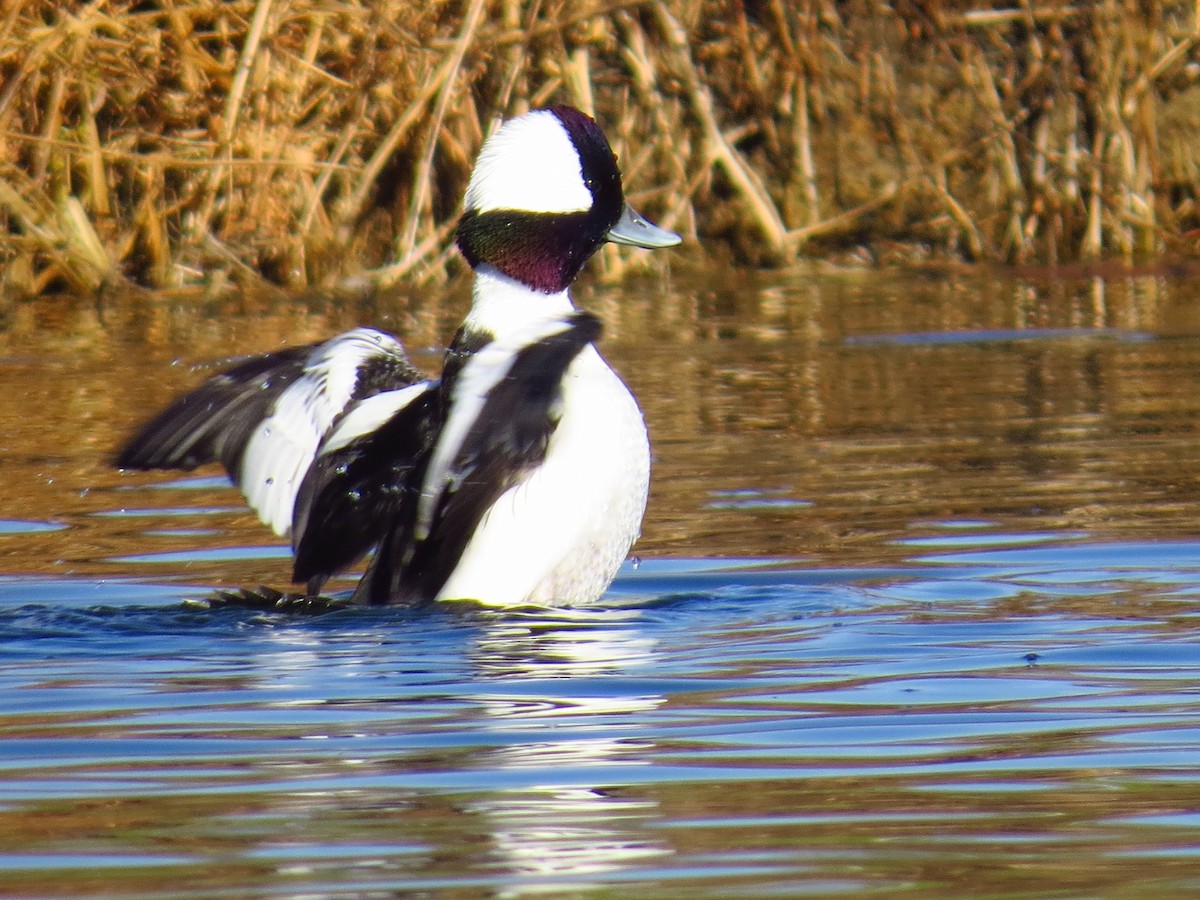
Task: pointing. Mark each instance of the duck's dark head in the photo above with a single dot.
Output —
(544, 195)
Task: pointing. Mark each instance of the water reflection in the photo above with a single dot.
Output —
(566, 643)
(777, 727)
(569, 825)
(946, 635)
(563, 835)
(519, 722)
(853, 404)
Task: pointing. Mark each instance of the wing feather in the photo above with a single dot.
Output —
(358, 483)
(213, 422)
(265, 419)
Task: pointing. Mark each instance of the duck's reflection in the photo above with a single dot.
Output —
(560, 643)
(566, 833)
(564, 688)
(505, 744)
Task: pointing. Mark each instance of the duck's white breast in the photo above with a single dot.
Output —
(559, 536)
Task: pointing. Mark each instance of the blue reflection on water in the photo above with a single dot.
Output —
(1002, 664)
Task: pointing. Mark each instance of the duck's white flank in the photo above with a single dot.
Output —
(559, 535)
(480, 375)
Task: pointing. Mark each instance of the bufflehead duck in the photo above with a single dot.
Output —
(519, 476)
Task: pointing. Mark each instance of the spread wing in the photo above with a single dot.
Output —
(265, 419)
(214, 422)
(497, 417)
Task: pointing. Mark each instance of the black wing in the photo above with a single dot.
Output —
(351, 494)
(214, 422)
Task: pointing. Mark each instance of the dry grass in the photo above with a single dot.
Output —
(304, 142)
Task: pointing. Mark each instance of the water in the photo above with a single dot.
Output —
(916, 614)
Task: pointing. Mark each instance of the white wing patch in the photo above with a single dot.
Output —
(482, 372)
(372, 413)
(284, 444)
(531, 164)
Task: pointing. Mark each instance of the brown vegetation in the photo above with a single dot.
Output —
(303, 141)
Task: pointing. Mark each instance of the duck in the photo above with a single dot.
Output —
(519, 475)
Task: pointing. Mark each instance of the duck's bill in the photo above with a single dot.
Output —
(637, 231)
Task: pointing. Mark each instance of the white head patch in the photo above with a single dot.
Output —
(531, 164)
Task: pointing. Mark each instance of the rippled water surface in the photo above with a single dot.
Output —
(916, 613)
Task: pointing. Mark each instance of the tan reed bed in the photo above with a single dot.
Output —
(308, 142)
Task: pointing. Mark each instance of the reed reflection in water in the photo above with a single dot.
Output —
(848, 408)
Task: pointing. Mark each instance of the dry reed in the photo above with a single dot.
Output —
(301, 142)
